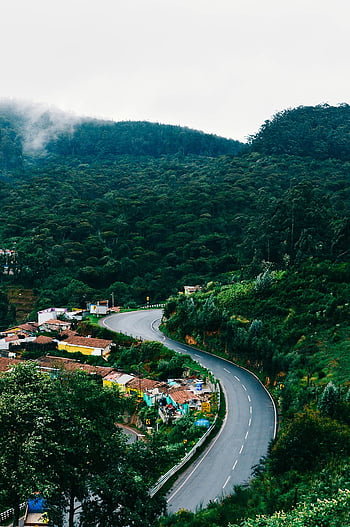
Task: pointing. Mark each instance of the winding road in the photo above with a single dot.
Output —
(248, 428)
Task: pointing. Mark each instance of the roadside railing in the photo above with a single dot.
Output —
(163, 479)
(6, 516)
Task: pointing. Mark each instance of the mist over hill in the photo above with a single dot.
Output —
(33, 129)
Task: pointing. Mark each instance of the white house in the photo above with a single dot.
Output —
(50, 313)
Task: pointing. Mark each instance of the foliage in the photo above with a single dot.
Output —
(290, 334)
(326, 513)
(58, 438)
(134, 211)
(307, 441)
(96, 139)
(143, 217)
(320, 131)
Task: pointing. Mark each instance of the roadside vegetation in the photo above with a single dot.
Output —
(291, 329)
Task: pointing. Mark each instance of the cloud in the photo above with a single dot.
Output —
(37, 123)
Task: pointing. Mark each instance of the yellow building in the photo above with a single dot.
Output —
(117, 378)
(86, 345)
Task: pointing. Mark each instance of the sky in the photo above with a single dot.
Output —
(220, 66)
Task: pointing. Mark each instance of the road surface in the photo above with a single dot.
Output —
(248, 428)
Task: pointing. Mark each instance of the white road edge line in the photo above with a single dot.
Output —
(228, 479)
(203, 458)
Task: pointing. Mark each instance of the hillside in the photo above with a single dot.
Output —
(320, 132)
(29, 129)
(87, 222)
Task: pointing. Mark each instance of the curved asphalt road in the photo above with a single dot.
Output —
(249, 426)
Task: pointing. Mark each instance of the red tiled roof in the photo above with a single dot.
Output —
(56, 321)
(50, 361)
(144, 384)
(88, 342)
(181, 396)
(27, 327)
(11, 338)
(43, 340)
(6, 363)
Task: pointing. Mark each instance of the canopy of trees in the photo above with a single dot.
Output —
(58, 438)
(143, 226)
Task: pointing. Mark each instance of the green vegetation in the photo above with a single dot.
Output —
(58, 437)
(140, 224)
(291, 328)
(136, 210)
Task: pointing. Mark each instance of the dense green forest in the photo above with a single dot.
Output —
(86, 225)
(139, 210)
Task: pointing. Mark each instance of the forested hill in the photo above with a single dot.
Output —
(320, 132)
(29, 129)
(105, 139)
(85, 226)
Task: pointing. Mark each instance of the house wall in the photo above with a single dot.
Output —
(82, 349)
(47, 314)
(121, 386)
(183, 408)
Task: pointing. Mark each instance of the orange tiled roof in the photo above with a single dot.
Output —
(181, 396)
(88, 342)
(43, 340)
(50, 361)
(6, 363)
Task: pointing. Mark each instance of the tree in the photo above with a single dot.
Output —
(85, 416)
(326, 513)
(26, 449)
(329, 400)
(58, 438)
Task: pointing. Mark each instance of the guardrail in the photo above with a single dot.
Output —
(163, 479)
(6, 515)
(152, 306)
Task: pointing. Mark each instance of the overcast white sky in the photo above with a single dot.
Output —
(220, 66)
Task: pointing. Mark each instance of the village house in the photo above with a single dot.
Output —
(147, 389)
(54, 365)
(86, 345)
(182, 400)
(117, 378)
(50, 313)
(6, 364)
(13, 340)
(26, 329)
(53, 324)
(189, 289)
